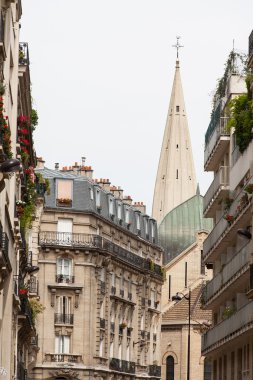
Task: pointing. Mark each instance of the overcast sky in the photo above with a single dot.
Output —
(102, 73)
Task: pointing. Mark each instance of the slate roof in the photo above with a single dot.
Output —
(179, 311)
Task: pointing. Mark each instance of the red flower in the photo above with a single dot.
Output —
(6, 117)
(22, 291)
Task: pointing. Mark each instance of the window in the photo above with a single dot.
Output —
(119, 211)
(170, 368)
(63, 310)
(152, 230)
(64, 191)
(127, 215)
(138, 221)
(111, 350)
(64, 270)
(177, 108)
(98, 198)
(64, 231)
(101, 346)
(207, 369)
(111, 208)
(62, 344)
(91, 193)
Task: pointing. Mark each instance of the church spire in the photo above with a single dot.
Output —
(176, 180)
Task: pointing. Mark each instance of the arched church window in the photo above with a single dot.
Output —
(170, 368)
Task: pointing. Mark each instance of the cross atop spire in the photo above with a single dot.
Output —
(177, 46)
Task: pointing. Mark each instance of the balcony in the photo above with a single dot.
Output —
(218, 190)
(240, 322)
(5, 264)
(228, 276)
(154, 370)
(64, 202)
(23, 59)
(217, 140)
(27, 311)
(122, 366)
(73, 240)
(63, 358)
(64, 279)
(64, 319)
(237, 216)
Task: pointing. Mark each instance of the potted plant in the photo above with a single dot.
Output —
(249, 188)
(23, 291)
(229, 218)
(123, 325)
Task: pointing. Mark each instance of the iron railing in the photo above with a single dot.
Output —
(33, 285)
(122, 365)
(220, 129)
(48, 238)
(154, 370)
(64, 278)
(23, 54)
(26, 310)
(66, 319)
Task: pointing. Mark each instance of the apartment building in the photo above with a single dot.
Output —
(100, 281)
(17, 330)
(228, 248)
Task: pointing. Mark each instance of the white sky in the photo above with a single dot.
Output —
(102, 74)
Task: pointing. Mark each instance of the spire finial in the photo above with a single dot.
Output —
(177, 46)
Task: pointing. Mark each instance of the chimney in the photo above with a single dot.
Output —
(140, 206)
(117, 192)
(127, 199)
(104, 183)
(56, 166)
(75, 168)
(40, 163)
(88, 171)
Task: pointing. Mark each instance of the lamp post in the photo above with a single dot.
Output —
(179, 297)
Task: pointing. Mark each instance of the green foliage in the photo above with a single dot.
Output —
(36, 308)
(44, 181)
(34, 119)
(241, 119)
(2, 89)
(27, 216)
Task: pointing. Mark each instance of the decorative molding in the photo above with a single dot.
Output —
(65, 372)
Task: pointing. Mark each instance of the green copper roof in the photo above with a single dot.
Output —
(178, 229)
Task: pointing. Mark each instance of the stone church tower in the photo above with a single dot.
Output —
(176, 179)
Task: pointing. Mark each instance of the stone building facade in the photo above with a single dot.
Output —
(17, 330)
(228, 248)
(100, 281)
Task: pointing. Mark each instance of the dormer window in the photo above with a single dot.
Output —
(91, 193)
(98, 198)
(127, 215)
(111, 208)
(119, 211)
(138, 221)
(64, 193)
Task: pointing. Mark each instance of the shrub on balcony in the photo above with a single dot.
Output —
(241, 117)
(36, 308)
(228, 312)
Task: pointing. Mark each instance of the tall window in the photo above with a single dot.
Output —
(98, 198)
(63, 310)
(138, 221)
(127, 215)
(119, 211)
(170, 368)
(64, 270)
(64, 231)
(207, 369)
(111, 208)
(62, 344)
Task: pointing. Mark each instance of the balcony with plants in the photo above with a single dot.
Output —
(122, 366)
(217, 137)
(236, 215)
(226, 281)
(235, 323)
(218, 190)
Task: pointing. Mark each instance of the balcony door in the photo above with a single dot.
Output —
(63, 310)
(64, 270)
(62, 344)
(64, 231)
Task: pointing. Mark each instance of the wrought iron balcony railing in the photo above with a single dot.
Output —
(26, 310)
(220, 182)
(65, 319)
(154, 370)
(122, 365)
(64, 278)
(75, 240)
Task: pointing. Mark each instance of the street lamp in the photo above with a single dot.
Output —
(177, 298)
